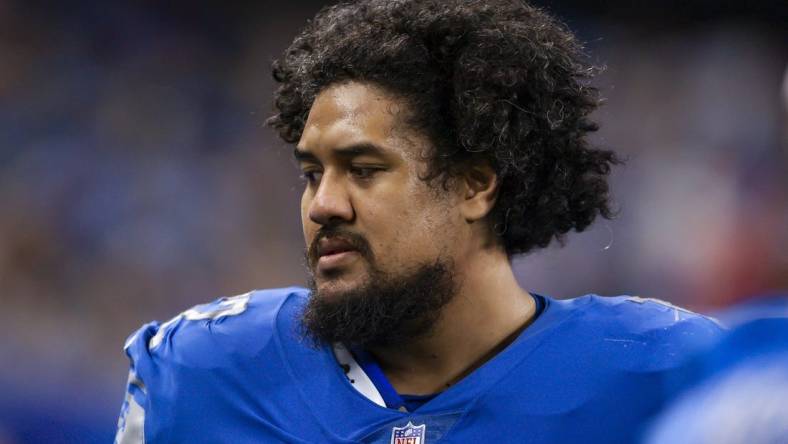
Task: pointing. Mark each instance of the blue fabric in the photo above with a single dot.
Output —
(737, 390)
(387, 391)
(588, 369)
(412, 402)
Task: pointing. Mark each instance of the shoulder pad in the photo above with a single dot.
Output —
(649, 334)
(191, 350)
(221, 326)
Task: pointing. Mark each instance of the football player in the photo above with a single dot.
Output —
(437, 139)
(737, 390)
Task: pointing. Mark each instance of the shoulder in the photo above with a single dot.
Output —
(205, 362)
(637, 314)
(641, 332)
(205, 334)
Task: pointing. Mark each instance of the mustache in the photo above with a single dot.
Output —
(356, 241)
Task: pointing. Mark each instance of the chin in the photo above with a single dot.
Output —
(335, 288)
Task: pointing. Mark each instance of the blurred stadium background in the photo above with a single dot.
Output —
(137, 178)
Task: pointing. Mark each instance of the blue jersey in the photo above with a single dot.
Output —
(589, 369)
(736, 391)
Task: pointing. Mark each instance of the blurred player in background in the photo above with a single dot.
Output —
(437, 140)
(737, 390)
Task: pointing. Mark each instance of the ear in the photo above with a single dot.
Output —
(479, 187)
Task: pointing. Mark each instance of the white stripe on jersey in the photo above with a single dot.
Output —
(359, 380)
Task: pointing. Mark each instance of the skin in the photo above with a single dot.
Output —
(378, 195)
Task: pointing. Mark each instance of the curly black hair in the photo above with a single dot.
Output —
(497, 81)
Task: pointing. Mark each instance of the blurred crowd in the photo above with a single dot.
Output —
(137, 179)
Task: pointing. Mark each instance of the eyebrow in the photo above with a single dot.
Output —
(359, 149)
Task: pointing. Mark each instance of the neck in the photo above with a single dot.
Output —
(486, 314)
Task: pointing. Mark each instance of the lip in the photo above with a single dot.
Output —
(335, 260)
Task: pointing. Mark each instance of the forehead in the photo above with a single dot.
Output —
(355, 113)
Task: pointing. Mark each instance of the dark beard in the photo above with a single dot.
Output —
(387, 311)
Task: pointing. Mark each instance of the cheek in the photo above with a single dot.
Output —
(390, 224)
(420, 230)
(441, 230)
(441, 223)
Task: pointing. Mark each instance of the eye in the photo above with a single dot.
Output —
(364, 172)
(311, 177)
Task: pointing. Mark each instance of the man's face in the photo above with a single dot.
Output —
(372, 226)
(364, 206)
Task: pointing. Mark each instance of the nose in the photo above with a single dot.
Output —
(331, 202)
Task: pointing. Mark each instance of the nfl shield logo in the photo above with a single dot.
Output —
(409, 434)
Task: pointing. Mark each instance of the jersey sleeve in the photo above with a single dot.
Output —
(154, 361)
(131, 423)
